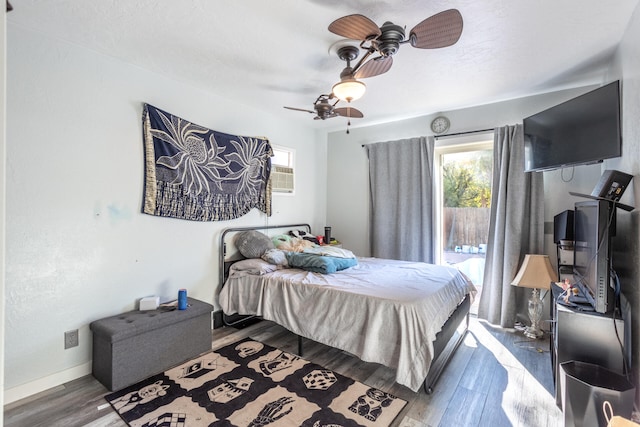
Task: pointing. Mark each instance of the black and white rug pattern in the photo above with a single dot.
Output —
(251, 384)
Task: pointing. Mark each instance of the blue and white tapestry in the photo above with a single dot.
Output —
(196, 173)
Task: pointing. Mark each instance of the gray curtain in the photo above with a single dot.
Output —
(401, 187)
(516, 225)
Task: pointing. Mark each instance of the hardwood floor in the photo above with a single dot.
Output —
(496, 378)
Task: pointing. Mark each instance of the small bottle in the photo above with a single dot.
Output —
(182, 299)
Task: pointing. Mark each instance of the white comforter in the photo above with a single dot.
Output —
(382, 311)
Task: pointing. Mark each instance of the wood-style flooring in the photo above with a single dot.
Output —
(496, 378)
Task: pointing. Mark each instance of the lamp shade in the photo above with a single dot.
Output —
(349, 89)
(535, 272)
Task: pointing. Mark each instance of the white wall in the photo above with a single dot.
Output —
(78, 248)
(348, 205)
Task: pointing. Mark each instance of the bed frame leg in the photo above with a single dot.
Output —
(300, 346)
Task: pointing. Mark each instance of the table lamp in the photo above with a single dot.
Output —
(537, 273)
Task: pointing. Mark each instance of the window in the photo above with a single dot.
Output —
(282, 177)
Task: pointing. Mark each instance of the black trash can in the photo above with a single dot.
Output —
(585, 387)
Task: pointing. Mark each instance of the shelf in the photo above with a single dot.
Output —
(615, 203)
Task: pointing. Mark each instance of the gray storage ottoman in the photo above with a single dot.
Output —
(132, 346)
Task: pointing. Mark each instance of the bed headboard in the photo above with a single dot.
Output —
(230, 254)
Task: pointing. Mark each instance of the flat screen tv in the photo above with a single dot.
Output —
(580, 131)
(594, 226)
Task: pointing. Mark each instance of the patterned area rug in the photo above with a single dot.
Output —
(249, 383)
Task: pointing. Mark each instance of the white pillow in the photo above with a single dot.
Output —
(253, 266)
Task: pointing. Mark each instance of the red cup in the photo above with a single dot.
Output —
(320, 239)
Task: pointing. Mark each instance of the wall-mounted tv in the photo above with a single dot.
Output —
(580, 131)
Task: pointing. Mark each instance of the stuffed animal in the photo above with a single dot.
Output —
(292, 244)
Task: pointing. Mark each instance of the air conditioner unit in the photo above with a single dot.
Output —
(281, 179)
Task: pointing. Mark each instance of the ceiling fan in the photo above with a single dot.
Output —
(323, 109)
(440, 30)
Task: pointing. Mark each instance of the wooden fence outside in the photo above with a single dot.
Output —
(465, 226)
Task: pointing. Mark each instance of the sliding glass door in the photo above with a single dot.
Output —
(464, 200)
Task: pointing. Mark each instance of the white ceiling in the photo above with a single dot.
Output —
(269, 54)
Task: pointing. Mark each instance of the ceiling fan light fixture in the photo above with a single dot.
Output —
(349, 89)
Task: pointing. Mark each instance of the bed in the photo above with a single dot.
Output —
(378, 310)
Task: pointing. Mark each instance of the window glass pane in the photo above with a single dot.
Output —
(281, 157)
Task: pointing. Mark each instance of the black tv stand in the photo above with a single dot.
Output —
(585, 336)
(614, 202)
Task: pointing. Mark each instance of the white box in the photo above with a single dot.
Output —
(565, 256)
(149, 303)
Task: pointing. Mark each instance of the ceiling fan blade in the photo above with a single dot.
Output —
(440, 30)
(300, 109)
(349, 112)
(357, 27)
(374, 67)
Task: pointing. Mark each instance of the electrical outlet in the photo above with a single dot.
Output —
(71, 339)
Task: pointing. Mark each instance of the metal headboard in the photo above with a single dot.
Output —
(225, 263)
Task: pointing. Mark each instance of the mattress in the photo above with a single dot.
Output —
(382, 311)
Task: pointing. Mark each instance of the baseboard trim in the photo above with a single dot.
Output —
(42, 384)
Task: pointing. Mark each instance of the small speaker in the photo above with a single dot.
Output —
(563, 226)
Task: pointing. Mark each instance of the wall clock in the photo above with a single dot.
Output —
(440, 124)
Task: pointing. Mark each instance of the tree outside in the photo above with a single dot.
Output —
(467, 179)
(466, 183)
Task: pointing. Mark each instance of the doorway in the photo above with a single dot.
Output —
(463, 205)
